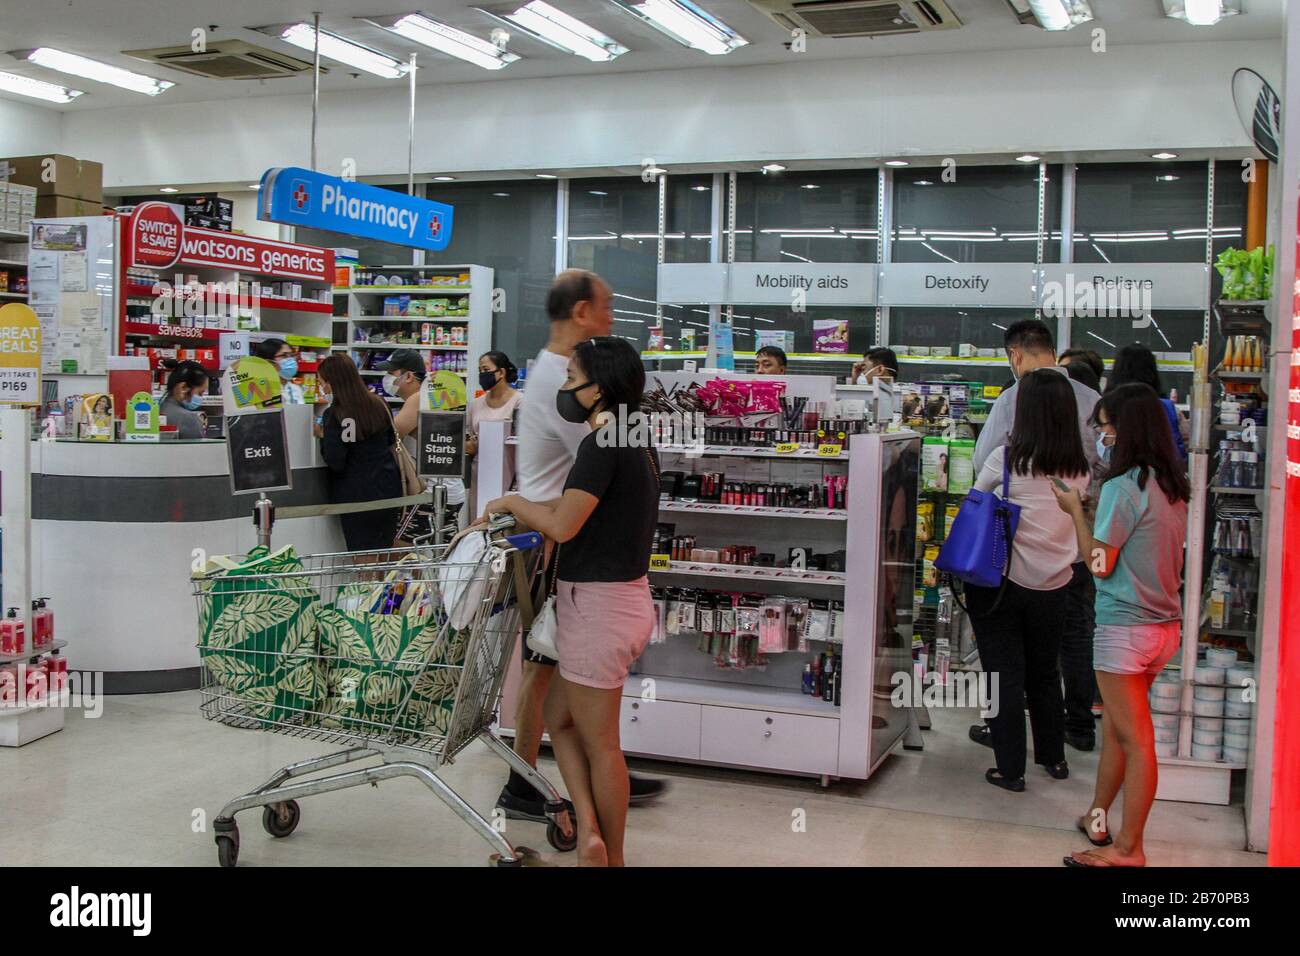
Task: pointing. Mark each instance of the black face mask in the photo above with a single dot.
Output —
(568, 406)
(487, 380)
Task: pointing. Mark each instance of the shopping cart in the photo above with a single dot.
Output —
(397, 655)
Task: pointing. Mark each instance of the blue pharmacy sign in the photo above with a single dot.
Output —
(300, 197)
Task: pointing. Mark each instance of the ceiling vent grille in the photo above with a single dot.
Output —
(226, 60)
(860, 18)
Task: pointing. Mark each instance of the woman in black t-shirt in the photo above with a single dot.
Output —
(604, 524)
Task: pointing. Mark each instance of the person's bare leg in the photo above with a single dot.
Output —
(530, 723)
(1125, 697)
(1110, 777)
(595, 712)
(572, 758)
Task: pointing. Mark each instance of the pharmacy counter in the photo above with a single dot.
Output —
(117, 527)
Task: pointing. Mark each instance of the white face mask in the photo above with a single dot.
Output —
(390, 385)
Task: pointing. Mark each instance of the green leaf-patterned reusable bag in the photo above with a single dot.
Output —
(257, 636)
(374, 660)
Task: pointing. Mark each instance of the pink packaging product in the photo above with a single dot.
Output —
(13, 634)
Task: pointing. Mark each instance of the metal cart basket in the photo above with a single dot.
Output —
(397, 655)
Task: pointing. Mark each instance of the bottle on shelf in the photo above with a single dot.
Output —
(13, 633)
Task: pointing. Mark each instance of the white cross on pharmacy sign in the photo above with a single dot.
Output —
(20, 355)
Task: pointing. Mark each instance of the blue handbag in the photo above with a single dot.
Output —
(978, 547)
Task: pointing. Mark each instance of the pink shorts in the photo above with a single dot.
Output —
(601, 628)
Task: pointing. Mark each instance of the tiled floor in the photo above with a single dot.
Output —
(138, 785)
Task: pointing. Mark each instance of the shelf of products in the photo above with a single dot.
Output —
(739, 572)
(29, 653)
(707, 507)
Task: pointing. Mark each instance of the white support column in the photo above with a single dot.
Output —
(16, 509)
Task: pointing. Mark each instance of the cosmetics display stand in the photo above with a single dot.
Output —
(679, 704)
(366, 329)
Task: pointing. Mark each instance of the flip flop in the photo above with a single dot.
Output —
(1071, 861)
(1104, 841)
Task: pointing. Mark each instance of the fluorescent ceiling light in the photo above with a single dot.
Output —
(335, 47)
(501, 195)
(895, 162)
(1201, 13)
(700, 189)
(546, 176)
(449, 40)
(654, 170)
(1165, 155)
(810, 186)
(63, 62)
(773, 168)
(544, 22)
(1167, 178)
(686, 23)
(1060, 14)
(37, 89)
(444, 179)
(923, 182)
(169, 189)
(1027, 158)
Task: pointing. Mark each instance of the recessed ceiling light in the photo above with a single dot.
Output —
(686, 23)
(444, 179)
(63, 62)
(810, 186)
(1165, 155)
(38, 89)
(335, 47)
(597, 192)
(502, 195)
(169, 189)
(543, 22)
(773, 168)
(449, 40)
(546, 176)
(1167, 178)
(1201, 13)
(1027, 158)
(895, 162)
(654, 170)
(700, 189)
(923, 182)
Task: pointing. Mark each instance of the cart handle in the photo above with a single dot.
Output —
(524, 541)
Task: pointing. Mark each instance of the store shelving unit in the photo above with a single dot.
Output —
(10, 265)
(363, 305)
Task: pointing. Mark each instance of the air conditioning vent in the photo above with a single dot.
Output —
(860, 18)
(226, 60)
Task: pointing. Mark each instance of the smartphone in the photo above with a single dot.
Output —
(1060, 484)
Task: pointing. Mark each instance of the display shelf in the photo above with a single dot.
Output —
(744, 452)
(1239, 376)
(9, 234)
(750, 572)
(404, 345)
(1194, 762)
(35, 652)
(13, 710)
(429, 289)
(1227, 490)
(13, 295)
(1229, 632)
(725, 694)
(13, 262)
(402, 318)
(138, 290)
(715, 508)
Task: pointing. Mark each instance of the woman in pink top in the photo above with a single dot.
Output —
(1019, 630)
(496, 377)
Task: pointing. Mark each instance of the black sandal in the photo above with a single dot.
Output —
(1104, 841)
(995, 777)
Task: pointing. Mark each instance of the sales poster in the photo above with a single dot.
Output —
(831, 336)
(20, 355)
(251, 384)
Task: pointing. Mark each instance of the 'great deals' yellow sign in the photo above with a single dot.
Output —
(20, 355)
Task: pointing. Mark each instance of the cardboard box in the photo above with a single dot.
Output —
(58, 207)
(73, 178)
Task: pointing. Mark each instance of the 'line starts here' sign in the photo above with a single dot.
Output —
(301, 197)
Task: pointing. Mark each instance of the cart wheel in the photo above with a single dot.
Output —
(557, 838)
(228, 849)
(499, 860)
(278, 826)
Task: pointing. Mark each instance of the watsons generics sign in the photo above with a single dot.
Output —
(301, 197)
